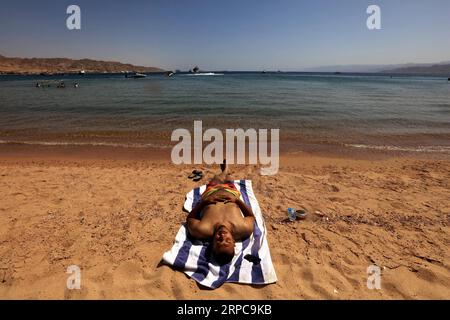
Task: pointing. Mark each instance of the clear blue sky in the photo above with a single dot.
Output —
(229, 34)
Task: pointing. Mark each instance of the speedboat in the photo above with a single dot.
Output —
(197, 72)
(136, 75)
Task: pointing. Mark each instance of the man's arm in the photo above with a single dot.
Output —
(202, 204)
(249, 219)
(194, 224)
(197, 209)
(197, 230)
(246, 210)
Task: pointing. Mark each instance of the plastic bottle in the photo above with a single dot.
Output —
(291, 214)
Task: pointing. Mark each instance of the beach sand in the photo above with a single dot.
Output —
(115, 213)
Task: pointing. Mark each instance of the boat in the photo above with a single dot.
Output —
(136, 75)
(196, 69)
(205, 74)
(197, 72)
(82, 72)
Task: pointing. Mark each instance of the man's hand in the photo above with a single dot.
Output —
(229, 199)
(226, 198)
(220, 198)
(208, 201)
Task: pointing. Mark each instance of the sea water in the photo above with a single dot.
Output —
(355, 110)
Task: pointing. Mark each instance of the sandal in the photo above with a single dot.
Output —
(301, 213)
(195, 174)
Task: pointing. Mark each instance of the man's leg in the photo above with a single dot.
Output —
(224, 175)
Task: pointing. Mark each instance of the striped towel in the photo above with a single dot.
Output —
(191, 255)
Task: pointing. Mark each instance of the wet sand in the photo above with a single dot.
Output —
(115, 211)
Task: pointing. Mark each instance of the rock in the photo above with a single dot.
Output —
(334, 188)
(304, 237)
(319, 214)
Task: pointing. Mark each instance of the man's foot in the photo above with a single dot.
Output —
(223, 166)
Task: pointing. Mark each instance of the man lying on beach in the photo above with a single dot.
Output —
(226, 218)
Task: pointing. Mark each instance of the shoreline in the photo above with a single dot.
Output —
(160, 152)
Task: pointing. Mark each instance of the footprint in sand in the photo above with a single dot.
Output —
(398, 205)
(307, 275)
(75, 294)
(177, 289)
(321, 293)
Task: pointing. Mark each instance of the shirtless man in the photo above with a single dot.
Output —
(226, 218)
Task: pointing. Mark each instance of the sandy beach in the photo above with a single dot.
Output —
(115, 213)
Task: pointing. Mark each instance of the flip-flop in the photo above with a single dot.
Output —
(198, 177)
(252, 259)
(301, 213)
(195, 174)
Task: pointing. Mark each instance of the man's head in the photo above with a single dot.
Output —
(223, 245)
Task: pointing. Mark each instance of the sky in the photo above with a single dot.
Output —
(229, 35)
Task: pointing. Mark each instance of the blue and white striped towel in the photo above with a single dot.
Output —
(190, 255)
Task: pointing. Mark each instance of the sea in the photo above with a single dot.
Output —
(360, 111)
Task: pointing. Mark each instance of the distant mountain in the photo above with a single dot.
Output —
(347, 68)
(437, 69)
(426, 68)
(65, 65)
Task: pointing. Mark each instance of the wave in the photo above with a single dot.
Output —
(205, 74)
(430, 149)
(89, 144)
